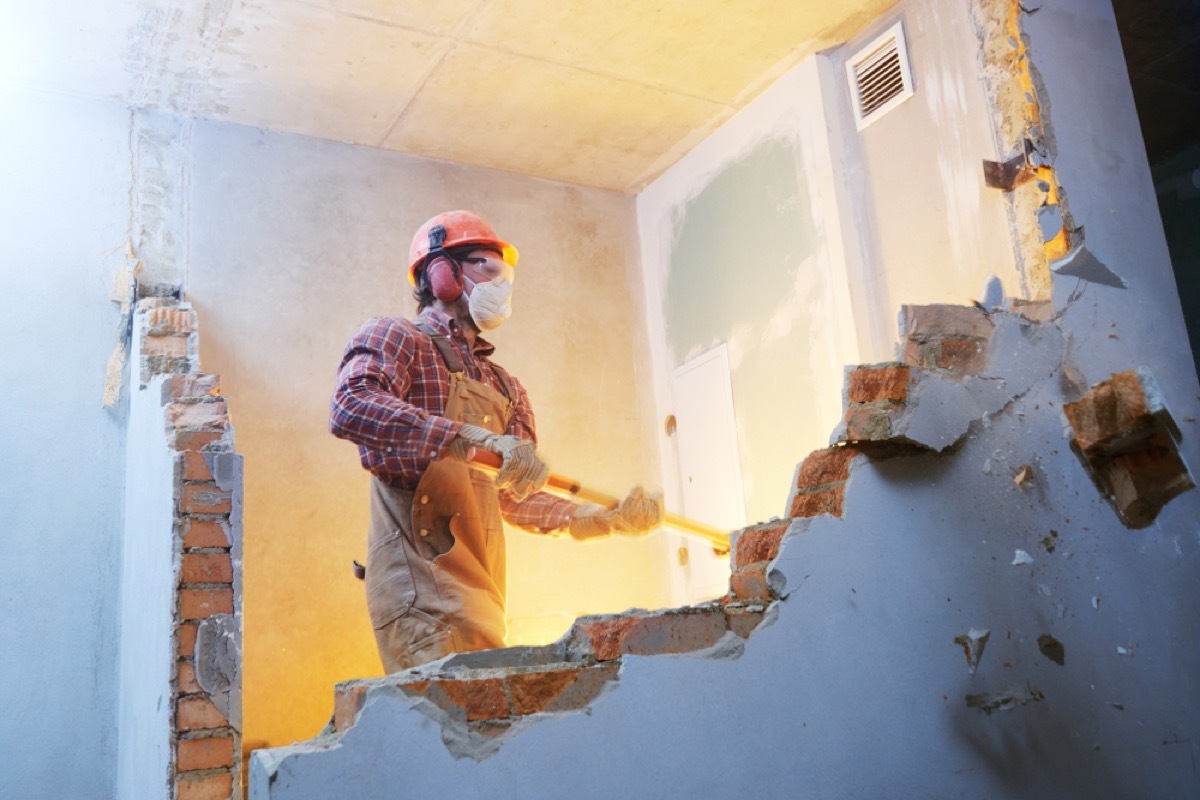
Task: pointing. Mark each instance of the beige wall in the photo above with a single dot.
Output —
(292, 243)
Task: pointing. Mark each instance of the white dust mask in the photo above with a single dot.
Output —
(491, 303)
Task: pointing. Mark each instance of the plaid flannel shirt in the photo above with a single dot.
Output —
(392, 387)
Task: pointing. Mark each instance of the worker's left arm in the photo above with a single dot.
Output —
(539, 512)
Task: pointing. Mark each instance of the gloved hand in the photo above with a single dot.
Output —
(636, 515)
(521, 471)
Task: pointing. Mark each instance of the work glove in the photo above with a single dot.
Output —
(636, 515)
(521, 471)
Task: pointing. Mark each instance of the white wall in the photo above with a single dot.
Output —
(64, 202)
(742, 244)
(921, 226)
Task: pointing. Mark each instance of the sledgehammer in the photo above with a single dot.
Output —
(572, 489)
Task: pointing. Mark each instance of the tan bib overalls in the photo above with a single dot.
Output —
(435, 561)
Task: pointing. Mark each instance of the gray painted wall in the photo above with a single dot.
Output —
(65, 206)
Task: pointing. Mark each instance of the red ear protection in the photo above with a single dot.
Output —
(445, 279)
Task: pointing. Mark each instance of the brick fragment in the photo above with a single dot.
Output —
(938, 320)
(185, 678)
(674, 632)
(814, 504)
(165, 348)
(1109, 412)
(196, 713)
(211, 752)
(607, 636)
(831, 465)
(750, 584)
(204, 603)
(206, 416)
(878, 383)
(347, 702)
(204, 533)
(168, 321)
(868, 423)
(206, 568)
(743, 621)
(534, 691)
(194, 467)
(197, 440)
(962, 356)
(212, 786)
(202, 386)
(1142, 481)
(204, 498)
(759, 544)
(481, 699)
(187, 639)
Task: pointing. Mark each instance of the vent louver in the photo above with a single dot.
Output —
(879, 76)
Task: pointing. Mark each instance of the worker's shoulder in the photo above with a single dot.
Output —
(389, 327)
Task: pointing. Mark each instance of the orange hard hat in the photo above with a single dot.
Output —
(461, 227)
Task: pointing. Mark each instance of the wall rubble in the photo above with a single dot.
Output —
(205, 690)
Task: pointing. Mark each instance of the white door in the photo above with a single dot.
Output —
(710, 472)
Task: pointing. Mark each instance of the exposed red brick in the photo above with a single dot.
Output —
(963, 355)
(347, 702)
(534, 691)
(482, 699)
(931, 321)
(674, 632)
(206, 568)
(205, 498)
(868, 423)
(1033, 310)
(607, 636)
(204, 533)
(1110, 410)
(750, 584)
(211, 752)
(831, 465)
(209, 416)
(187, 639)
(195, 713)
(169, 321)
(193, 387)
(814, 504)
(1145, 480)
(196, 440)
(204, 603)
(186, 679)
(195, 467)
(759, 544)
(742, 621)
(912, 354)
(872, 384)
(218, 786)
(165, 346)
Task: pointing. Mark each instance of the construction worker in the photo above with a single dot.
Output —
(416, 396)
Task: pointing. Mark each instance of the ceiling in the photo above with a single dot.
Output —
(604, 93)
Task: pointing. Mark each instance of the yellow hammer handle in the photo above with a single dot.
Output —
(489, 461)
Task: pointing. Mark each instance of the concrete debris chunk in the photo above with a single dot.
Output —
(1081, 263)
(972, 642)
(987, 702)
(1052, 649)
(1021, 557)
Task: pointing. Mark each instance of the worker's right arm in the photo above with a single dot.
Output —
(369, 405)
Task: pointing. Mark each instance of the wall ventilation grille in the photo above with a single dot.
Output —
(879, 76)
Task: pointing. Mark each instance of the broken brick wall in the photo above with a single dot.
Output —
(180, 662)
(982, 519)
